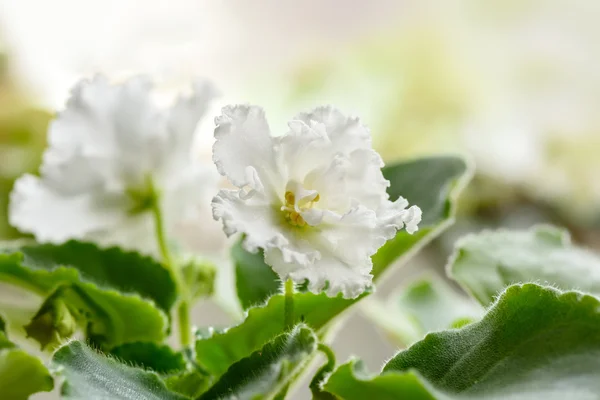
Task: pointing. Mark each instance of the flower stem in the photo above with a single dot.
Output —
(183, 311)
(316, 383)
(185, 329)
(289, 304)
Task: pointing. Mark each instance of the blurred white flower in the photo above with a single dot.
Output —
(112, 152)
(314, 199)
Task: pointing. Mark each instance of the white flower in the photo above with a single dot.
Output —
(110, 152)
(314, 199)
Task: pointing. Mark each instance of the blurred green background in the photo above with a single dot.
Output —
(512, 84)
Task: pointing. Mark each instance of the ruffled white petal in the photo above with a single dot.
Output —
(53, 217)
(394, 216)
(244, 147)
(118, 124)
(109, 142)
(327, 273)
(262, 225)
(328, 211)
(185, 202)
(346, 133)
(182, 120)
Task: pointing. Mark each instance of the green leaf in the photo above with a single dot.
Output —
(266, 372)
(112, 268)
(100, 290)
(431, 183)
(159, 358)
(484, 264)
(188, 383)
(351, 381)
(255, 281)
(21, 374)
(218, 352)
(534, 343)
(424, 306)
(93, 376)
(172, 366)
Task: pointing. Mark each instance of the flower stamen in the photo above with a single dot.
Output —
(292, 210)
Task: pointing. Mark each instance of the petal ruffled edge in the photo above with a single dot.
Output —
(327, 274)
(243, 140)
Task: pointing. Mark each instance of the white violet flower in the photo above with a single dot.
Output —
(314, 199)
(112, 152)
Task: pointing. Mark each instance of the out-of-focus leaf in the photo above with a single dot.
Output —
(424, 306)
(255, 281)
(218, 352)
(266, 372)
(92, 376)
(21, 374)
(199, 277)
(432, 184)
(188, 383)
(100, 290)
(534, 343)
(484, 264)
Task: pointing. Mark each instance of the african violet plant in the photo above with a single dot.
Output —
(319, 221)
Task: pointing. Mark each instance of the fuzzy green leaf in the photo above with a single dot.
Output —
(21, 374)
(159, 358)
(113, 268)
(266, 372)
(484, 264)
(255, 281)
(431, 183)
(217, 352)
(177, 374)
(534, 343)
(93, 376)
(424, 306)
(100, 290)
(351, 381)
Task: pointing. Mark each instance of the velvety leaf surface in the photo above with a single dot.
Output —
(178, 375)
(534, 343)
(484, 264)
(21, 374)
(265, 372)
(351, 382)
(218, 352)
(92, 376)
(99, 290)
(113, 268)
(255, 281)
(424, 306)
(431, 183)
(159, 358)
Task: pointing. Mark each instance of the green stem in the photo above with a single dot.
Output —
(289, 304)
(184, 323)
(183, 311)
(315, 384)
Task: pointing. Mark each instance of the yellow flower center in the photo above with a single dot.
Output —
(292, 210)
